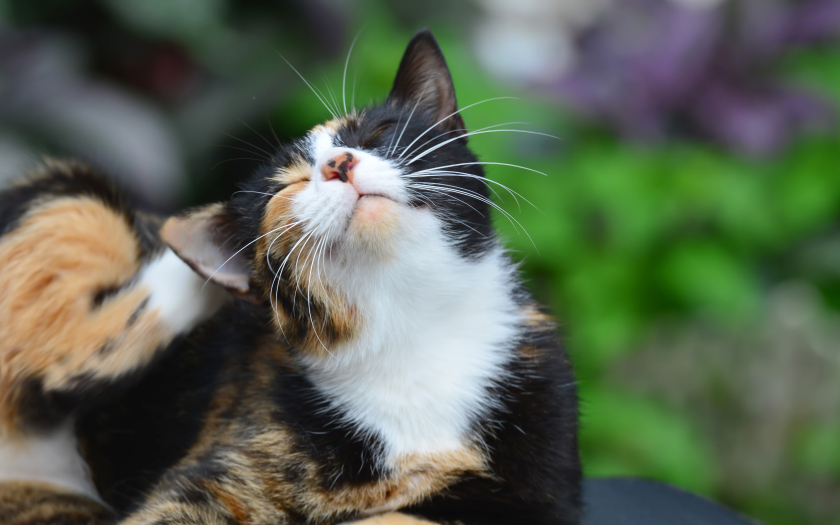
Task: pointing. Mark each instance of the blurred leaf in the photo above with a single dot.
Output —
(628, 435)
(188, 21)
(818, 451)
(707, 277)
(809, 190)
(815, 68)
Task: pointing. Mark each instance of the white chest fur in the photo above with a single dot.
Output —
(438, 332)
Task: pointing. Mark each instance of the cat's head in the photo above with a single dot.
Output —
(378, 201)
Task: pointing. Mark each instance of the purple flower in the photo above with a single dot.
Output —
(653, 68)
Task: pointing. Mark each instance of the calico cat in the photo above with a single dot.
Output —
(89, 299)
(385, 363)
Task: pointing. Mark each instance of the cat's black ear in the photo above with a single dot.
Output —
(424, 79)
(201, 239)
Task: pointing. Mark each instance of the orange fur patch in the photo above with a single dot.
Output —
(375, 220)
(535, 317)
(234, 506)
(392, 518)
(303, 263)
(62, 254)
(331, 126)
(414, 480)
(298, 170)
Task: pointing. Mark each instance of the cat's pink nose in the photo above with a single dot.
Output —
(340, 167)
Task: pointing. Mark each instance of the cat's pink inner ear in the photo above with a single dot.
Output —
(197, 239)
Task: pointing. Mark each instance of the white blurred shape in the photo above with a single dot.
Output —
(46, 93)
(513, 50)
(531, 41)
(699, 4)
(15, 157)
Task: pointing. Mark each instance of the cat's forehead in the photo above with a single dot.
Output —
(354, 129)
(317, 140)
(345, 131)
(333, 126)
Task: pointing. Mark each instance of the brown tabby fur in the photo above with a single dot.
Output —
(27, 503)
(268, 479)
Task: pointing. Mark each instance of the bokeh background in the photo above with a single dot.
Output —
(687, 232)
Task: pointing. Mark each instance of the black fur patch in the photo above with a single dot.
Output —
(159, 419)
(71, 179)
(344, 452)
(106, 348)
(135, 315)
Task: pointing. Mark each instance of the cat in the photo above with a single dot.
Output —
(90, 298)
(384, 362)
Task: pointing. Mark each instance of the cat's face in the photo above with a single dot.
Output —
(376, 198)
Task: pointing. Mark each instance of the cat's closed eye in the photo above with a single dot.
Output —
(370, 140)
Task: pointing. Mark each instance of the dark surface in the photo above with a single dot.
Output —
(641, 502)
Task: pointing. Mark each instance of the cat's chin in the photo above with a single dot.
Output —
(375, 223)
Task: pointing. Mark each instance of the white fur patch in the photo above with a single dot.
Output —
(327, 206)
(438, 329)
(437, 334)
(52, 457)
(181, 297)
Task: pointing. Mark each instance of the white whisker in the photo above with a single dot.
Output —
(344, 76)
(275, 304)
(451, 115)
(442, 192)
(268, 251)
(270, 145)
(283, 264)
(311, 256)
(419, 99)
(488, 163)
(316, 92)
(421, 175)
(388, 152)
(309, 302)
(273, 133)
(332, 95)
(439, 135)
(482, 132)
(461, 191)
(298, 267)
(264, 193)
(262, 155)
(353, 100)
(321, 281)
(237, 253)
(516, 195)
(268, 155)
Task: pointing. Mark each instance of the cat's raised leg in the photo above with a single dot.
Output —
(88, 299)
